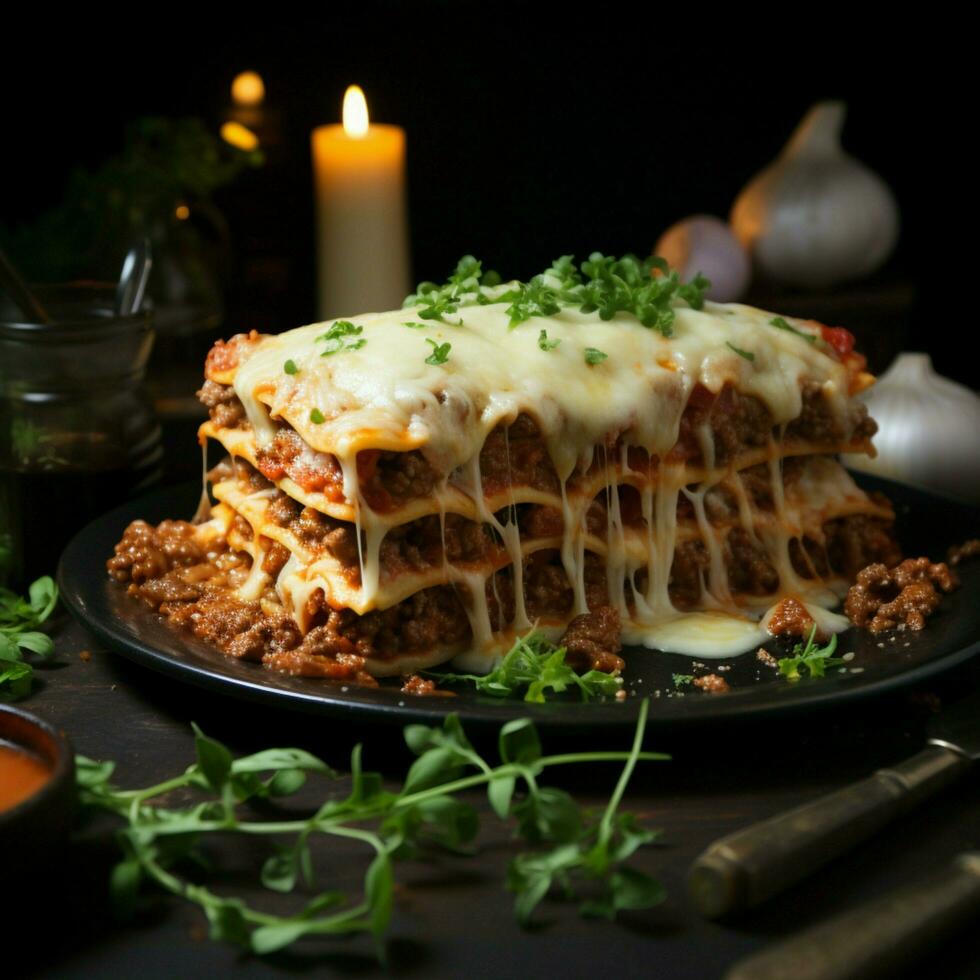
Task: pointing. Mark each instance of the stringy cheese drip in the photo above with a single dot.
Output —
(385, 396)
(616, 563)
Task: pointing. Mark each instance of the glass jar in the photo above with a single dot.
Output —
(77, 433)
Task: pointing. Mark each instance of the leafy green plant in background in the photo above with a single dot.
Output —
(163, 162)
(570, 847)
(19, 634)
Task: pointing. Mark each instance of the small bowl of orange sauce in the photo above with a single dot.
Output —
(37, 789)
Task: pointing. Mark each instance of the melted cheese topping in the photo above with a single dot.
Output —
(384, 395)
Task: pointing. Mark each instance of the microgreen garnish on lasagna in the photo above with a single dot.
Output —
(780, 324)
(647, 288)
(464, 286)
(545, 344)
(746, 355)
(334, 338)
(341, 328)
(534, 298)
(440, 352)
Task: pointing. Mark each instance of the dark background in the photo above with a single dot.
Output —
(532, 131)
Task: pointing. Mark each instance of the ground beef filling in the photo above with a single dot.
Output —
(849, 544)
(289, 456)
(167, 568)
(548, 592)
(226, 355)
(515, 455)
(223, 405)
(418, 546)
(740, 422)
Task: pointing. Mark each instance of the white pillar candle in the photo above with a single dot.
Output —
(362, 230)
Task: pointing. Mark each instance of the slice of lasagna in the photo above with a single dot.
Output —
(407, 487)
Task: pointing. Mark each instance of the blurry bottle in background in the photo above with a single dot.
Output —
(78, 434)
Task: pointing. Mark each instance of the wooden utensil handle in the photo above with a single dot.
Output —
(751, 865)
(878, 939)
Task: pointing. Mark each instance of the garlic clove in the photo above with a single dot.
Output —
(816, 217)
(928, 429)
(705, 244)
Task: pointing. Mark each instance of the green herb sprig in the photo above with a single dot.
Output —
(19, 622)
(780, 324)
(545, 344)
(535, 666)
(426, 813)
(440, 353)
(464, 288)
(810, 657)
(744, 354)
(334, 338)
(647, 288)
(534, 298)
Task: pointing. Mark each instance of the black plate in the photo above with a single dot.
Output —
(927, 525)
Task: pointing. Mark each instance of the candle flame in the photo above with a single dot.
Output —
(248, 89)
(355, 112)
(239, 136)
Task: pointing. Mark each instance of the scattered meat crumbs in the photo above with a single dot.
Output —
(423, 687)
(790, 618)
(887, 598)
(592, 641)
(711, 684)
(765, 657)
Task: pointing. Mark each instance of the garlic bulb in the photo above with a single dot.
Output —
(928, 429)
(707, 245)
(816, 216)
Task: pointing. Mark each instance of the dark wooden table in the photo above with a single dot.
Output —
(453, 916)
